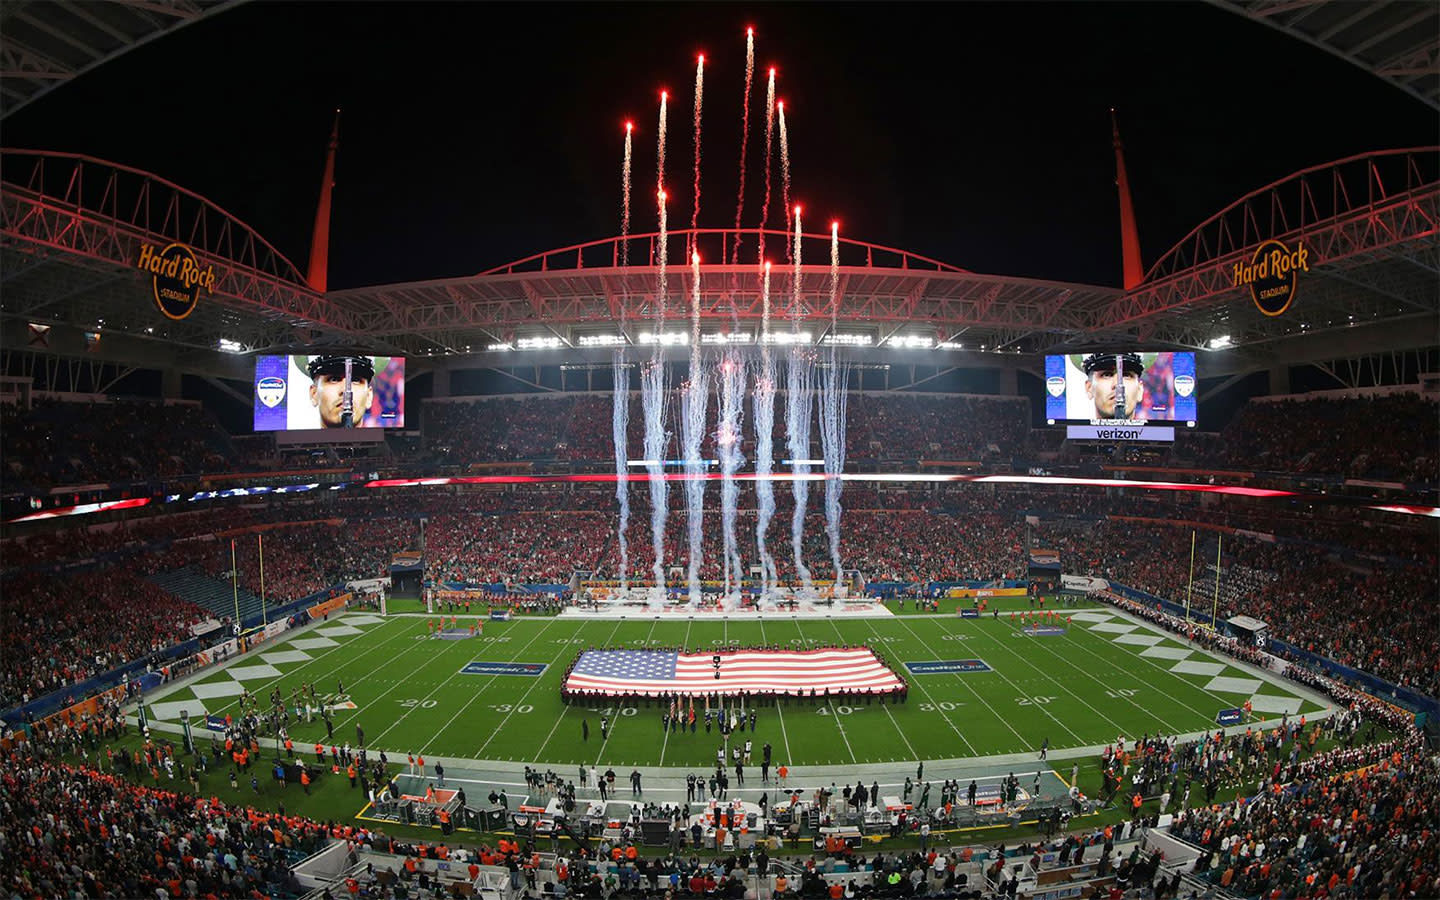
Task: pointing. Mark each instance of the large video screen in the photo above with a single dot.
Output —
(1120, 386)
(309, 393)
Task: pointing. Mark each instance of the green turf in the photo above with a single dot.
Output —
(1077, 689)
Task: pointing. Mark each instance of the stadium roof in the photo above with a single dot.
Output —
(48, 43)
(72, 230)
(1396, 41)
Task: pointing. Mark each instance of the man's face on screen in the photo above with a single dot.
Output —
(327, 394)
(1100, 387)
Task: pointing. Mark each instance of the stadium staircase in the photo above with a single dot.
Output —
(214, 594)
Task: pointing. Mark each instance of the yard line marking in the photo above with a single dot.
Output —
(951, 722)
(831, 706)
(476, 695)
(606, 742)
(883, 705)
(1225, 703)
(783, 736)
(241, 659)
(685, 648)
(564, 709)
(1149, 712)
(1050, 678)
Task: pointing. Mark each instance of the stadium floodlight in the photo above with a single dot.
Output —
(229, 346)
(501, 347)
(664, 338)
(950, 345)
(721, 337)
(848, 340)
(911, 341)
(537, 343)
(1220, 343)
(786, 338)
(601, 340)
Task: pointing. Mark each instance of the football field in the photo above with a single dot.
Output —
(496, 696)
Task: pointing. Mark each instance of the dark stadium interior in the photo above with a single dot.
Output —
(1054, 198)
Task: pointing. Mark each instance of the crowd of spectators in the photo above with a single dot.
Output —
(1334, 832)
(56, 631)
(1307, 597)
(74, 831)
(579, 427)
(1393, 438)
(56, 443)
(1319, 436)
(1308, 592)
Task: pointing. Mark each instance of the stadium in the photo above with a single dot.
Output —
(690, 558)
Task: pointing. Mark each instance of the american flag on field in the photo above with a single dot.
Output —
(752, 671)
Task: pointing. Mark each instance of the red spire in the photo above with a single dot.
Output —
(318, 274)
(1129, 236)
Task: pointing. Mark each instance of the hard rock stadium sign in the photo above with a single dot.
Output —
(1272, 274)
(176, 278)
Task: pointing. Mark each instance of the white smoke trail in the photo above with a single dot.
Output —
(620, 397)
(692, 433)
(833, 388)
(653, 384)
(797, 416)
(619, 425)
(797, 440)
(765, 444)
(732, 411)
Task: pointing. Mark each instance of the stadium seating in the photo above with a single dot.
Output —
(55, 443)
(1310, 592)
(100, 835)
(56, 631)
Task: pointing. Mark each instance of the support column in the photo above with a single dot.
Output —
(170, 384)
(1279, 380)
(440, 380)
(1009, 382)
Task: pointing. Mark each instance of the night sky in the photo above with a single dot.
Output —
(473, 135)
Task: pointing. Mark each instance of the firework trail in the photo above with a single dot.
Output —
(744, 138)
(699, 102)
(765, 444)
(797, 419)
(833, 388)
(785, 165)
(692, 433)
(625, 199)
(620, 398)
(769, 143)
